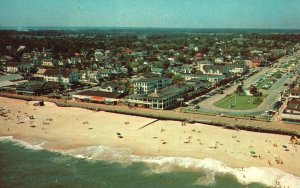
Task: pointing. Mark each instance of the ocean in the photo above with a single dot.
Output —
(160, 29)
(25, 165)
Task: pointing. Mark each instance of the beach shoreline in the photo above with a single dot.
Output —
(64, 128)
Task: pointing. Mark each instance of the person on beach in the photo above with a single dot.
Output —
(269, 162)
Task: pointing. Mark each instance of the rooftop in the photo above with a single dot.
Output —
(163, 93)
(150, 79)
(100, 94)
(56, 72)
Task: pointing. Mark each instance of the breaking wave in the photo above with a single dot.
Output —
(22, 143)
(268, 176)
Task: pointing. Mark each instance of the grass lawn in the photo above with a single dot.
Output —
(243, 102)
(266, 81)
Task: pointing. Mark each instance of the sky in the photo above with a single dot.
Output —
(279, 14)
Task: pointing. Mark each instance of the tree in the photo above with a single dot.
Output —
(169, 74)
(239, 90)
(253, 90)
(177, 78)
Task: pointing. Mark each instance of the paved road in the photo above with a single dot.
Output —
(273, 94)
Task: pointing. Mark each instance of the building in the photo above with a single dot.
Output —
(157, 70)
(291, 113)
(8, 83)
(47, 63)
(112, 87)
(88, 76)
(215, 70)
(98, 96)
(254, 63)
(210, 78)
(159, 99)
(238, 69)
(11, 67)
(61, 75)
(104, 73)
(40, 73)
(295, 93)
(30, 88)
(148, 85)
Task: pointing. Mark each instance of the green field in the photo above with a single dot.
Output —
(239, 102)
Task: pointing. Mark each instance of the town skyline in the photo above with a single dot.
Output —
(155, 14)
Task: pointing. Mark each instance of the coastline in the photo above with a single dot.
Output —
(66, 128)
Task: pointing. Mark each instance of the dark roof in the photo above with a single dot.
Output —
(100, 94)
(293, 104)
(12, 64)
(52, 85)
(295, 91)
(56, 72)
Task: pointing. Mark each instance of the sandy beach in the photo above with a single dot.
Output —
(59, 128)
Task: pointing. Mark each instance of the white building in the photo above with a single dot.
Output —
(148, 85)
(61, 75)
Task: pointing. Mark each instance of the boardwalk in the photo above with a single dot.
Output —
(167, 114)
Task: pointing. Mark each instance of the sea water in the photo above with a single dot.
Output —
(25, 165)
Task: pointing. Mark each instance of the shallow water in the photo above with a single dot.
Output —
(23, 166)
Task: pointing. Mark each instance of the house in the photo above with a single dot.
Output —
(187, 69)
(254, 63)
(74, 60)
(99, 54)
(200, 64)
(40, 73)
(26, 56)
(11, 67)
(295, 93)
(198, 56)
(159, 99)
(210, 78)
(291, 114)
(215, 70)
(104, 73)
(47, 63)
(157, 70)
(61, 75)
(88, 76)
(111, 87)
(219, 60)
(148, 85)
(238, 69)
(175, 70)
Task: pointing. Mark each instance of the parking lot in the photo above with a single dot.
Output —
(206, 103)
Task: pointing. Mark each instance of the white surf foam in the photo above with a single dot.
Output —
(22, 143)
(268, 176)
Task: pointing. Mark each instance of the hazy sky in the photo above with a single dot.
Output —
(152, 13)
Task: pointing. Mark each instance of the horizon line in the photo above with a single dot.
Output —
(141, 27)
